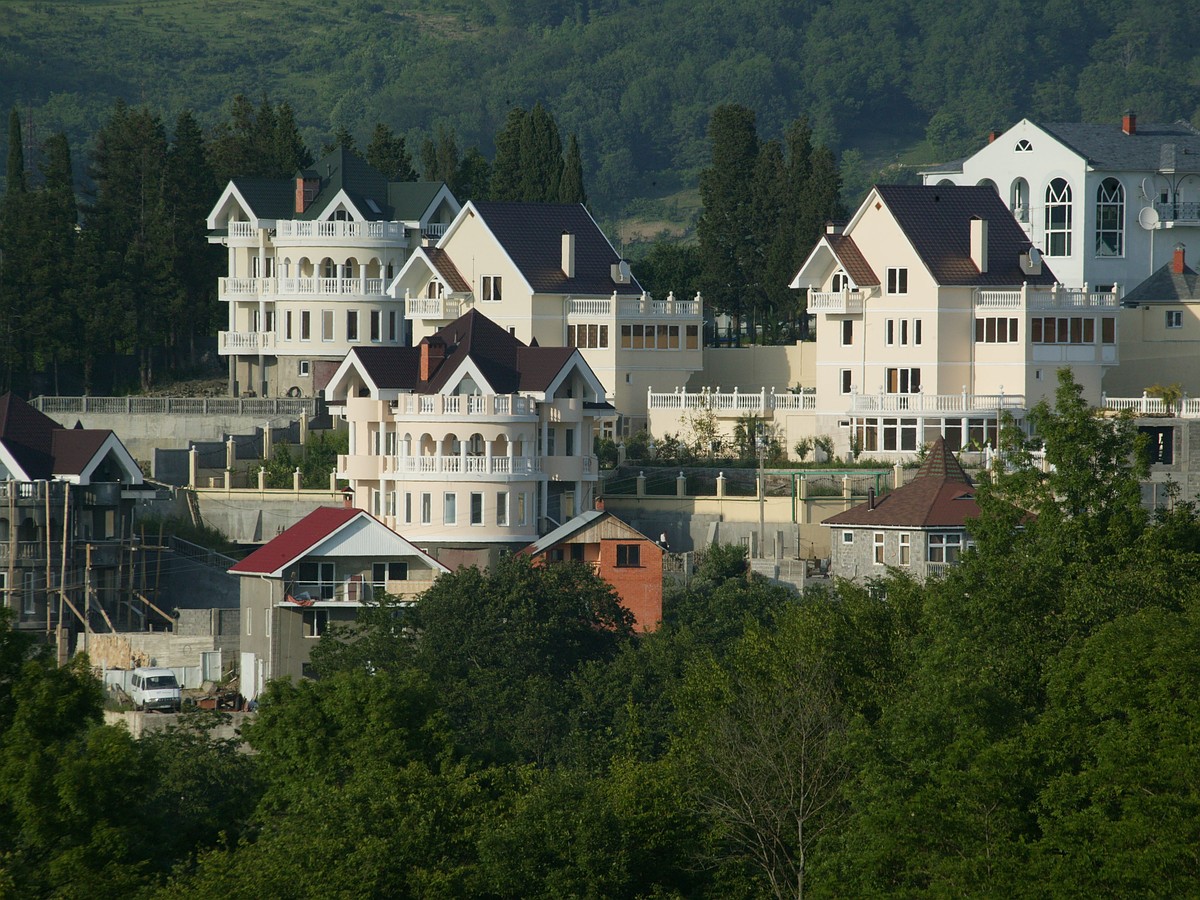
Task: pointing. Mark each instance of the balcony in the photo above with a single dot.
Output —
(641, 308)
(484, 405)
(284, 288)
(438, 464)
(836, 302)
(934, 404)
(434, 230)
(1055, 298)
(1179, 213)
(435, 308)
(233, 342)
(332, 233)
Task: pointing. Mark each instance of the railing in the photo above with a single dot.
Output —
(661, 309)
(1145, 405)
(458, 465)
(296, 286)
(434, 229)
(1055, 298)
(935, 403)
(472, 405)
(1178, 212)
(31, 551)
(293, 229)
(432, 308)
(835, 301)
(243, 230)
(31, 490)
(165, 406)
(245, 341)
(737, 403)
(201, 555)
(589, 307)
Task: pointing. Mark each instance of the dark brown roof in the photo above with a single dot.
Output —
(852, 260)
(42, 447)
(531, 234)
(936, 219)
(441, 261)
(508, 364)
(74, 448)
(940, 495)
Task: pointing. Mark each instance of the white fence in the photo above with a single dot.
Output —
(165, 406)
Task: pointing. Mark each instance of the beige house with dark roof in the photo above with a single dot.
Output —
(546, 273)
(471, 440)
(920, 528)
(310, 259)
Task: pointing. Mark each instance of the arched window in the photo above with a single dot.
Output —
(328, 268)
(1058, 218)
(1110, 218)
(987, 182)
(841, 282)
(1018, 200)
(1023, 146)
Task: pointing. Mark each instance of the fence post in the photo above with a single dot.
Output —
(193, 465)
(897, 476)
(262, 478)
(641, 484)
(846, 493)
(296, 480)
(681, 485)
(720, 484)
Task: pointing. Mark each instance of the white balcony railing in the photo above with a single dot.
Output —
(840, 302)
(274, 288)
(436, 308)
(934, 403)
(319, 232)
(735, 403)
(397, 466)
(483, 405)
(642, 307)
(1145, 405)
(245, 342)
(1054, 298)
(242, 230)
(434, 229)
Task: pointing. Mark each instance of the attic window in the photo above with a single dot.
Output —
(1023, 146)
(374, 206)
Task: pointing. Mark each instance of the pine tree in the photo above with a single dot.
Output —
(541, 156)
(342, 137)
(506, 167)
(474, 176)
(15, 170)
(767, 192)
(290, 155)
(388, 153)
(55, 216)
(571, 190)
(439, 157)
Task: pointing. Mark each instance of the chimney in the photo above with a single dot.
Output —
(600, 503)
(833, 228)
(347, 498)
(433, 351)
(992, 135)
(1177, 261)
(306, 191)
(1129, 122)
(870, 498)
(979, 243)
(568, 254)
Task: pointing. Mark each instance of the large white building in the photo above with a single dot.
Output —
(309, 261)
(1106, 204)
(471, 439)
(546, 273)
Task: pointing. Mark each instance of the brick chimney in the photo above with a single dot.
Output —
(979, 243)
(347, 498)
(1177, 261)
(600, 503)
(307, 186)
(433, 351)
(568, 254)
(992, 135)
(1129, 122)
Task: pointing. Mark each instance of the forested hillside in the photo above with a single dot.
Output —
(636, 80)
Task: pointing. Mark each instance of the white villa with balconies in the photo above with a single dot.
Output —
(470, 439)
(310, 259)
(546, 273)
(934, 316)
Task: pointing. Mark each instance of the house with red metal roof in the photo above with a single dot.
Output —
(315, 574)
(546, 273)
(66, 510)
(472, 442)
(919, 528)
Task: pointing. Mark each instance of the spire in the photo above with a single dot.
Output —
(941, 464)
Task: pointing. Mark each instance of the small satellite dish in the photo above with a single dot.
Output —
(1035, 256)
(1147, 189)
(1148, 218)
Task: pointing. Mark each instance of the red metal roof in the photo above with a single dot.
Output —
(297, 540)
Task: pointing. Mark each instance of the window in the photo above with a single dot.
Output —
(889, 332)
(1019, 200)
(450, 509)
(587, 336)
(839, 283)
(1023, 146)
(476, 508)
(1108, 330)
(1058, 218)
(327, 324)
(1110, 218)
(1160, 446)
(905, 552)
(352, 324)
(692, 335)
(316, 622)
(878, 548)
(305, 325)
(490, 288)
(550, 438)
(383, 572)
(28, 606)
(650, 337)
(904, 332)
(376, 325)
(897, 280)
(570, 441)
(408, 508)
(316, 579)
(269, 318)
(391, 325)
(1063, 330)
(304, 367)
(903, 381)
(523, 508)
(502, 508)
(847, 381)
(1174, 318)
(944, 547)
(629, 555)
(287, 325)
(847, 332)
(426, 508)
(847, 537)
(917, 332)
(993, 330)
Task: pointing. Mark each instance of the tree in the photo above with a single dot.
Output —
(506, 165)
(388, 153)
(14, 182)
(440, 156)
(571, 190)
(342, 137)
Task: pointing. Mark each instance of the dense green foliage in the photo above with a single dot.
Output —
(636, 81)
(1025, 725)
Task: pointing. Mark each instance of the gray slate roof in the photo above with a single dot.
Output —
(937, 220)
(1147, 149)
(531, 234)
(1164, 286)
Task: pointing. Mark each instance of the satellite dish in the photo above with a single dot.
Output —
(1147, 190)
(1148, 218)
(1035, 256)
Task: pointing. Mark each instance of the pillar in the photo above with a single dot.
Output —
(681, 485)
(296, 480)
(720, 484)
(193, 465)
(897, 476)
(262, 478)
(641, 484)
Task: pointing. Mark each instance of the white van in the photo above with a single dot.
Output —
(155, 688)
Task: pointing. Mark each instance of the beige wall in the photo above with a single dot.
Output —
(1152, 354)
(752, 368)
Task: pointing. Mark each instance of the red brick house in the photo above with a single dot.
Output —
(621, 555)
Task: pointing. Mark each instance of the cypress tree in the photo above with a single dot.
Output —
(541, 156)
(15, 171)
(505, 182)
(388, 153)
(290, 154)
(571, 190)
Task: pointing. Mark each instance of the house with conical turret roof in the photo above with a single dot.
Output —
(920, 528)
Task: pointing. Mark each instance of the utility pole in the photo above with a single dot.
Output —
(87, 597)
(761, 441)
